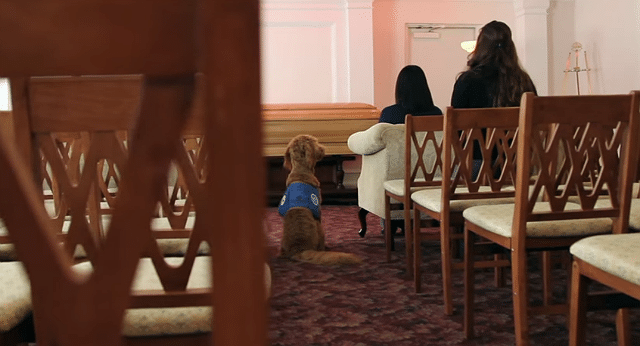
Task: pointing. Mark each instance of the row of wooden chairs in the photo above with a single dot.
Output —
(81, 171)
(554, 170)
(428, 157)
(168, 43)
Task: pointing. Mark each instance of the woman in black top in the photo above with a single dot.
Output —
(412, 97)
(494, 77)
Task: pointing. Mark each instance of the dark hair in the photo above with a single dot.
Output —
(495, 54)
(412, 90)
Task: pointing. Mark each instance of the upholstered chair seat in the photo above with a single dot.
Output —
(171, 320)
(15, 299)
(15, 295)
(634, 214)
(396, 186)
(634, 211)
(616, 254)
(612, 260)
(176, 246)
(8, 250)
(168, 246)
(499, 220)
(432, 199)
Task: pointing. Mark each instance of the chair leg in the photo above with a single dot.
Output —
(578, 306)
(409, 239)
(417, 250)
(520, 296)
(469, 282)
(498, 272)
(623, 327)
(362, 217)
(388, 237)
(546, 277)
(446, 253)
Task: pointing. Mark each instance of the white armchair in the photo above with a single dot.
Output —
(382, 150)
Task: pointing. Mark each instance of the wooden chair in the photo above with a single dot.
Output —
(70, 147)
(158, 39)
(16, 311)
(422, 169)
(493, 184)
(581, 149)
(611, 260)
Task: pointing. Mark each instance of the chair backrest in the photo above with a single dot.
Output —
(159, 39)
(585, 150)
(423, 151)
(495, 130)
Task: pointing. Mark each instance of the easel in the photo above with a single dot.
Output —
(575, 51)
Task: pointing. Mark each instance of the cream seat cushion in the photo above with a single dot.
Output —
(176, 246)
(8, 251)
(168, 246)
(499, 220)
(432, 199)
(15, 295)
(171, 246)
(170, 321)
(634, 214)
(634, 211)
(396, 186)
(616, 254)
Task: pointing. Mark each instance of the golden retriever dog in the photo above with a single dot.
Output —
(303, 236)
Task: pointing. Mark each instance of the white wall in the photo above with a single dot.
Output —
(390, 19)
(561, 38)
(342, 41)
(5, 100)
(317, 51)
(610, 33)
(352, 50)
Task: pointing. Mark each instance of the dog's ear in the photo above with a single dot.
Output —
(287, 158)
(319, 150)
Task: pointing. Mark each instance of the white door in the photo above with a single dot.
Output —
(436, 49)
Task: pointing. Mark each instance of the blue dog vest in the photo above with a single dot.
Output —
(300, 195)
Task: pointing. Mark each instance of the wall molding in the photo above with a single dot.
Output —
(316, 5)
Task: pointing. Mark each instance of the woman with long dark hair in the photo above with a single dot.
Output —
(494, 77)
(412, 97)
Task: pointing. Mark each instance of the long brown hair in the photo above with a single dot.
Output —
(495, 54)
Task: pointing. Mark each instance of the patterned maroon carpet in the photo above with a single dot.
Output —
(373, 304)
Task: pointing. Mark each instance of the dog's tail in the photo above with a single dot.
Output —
(327, 257)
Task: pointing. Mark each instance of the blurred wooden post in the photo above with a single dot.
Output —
(234, 129)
